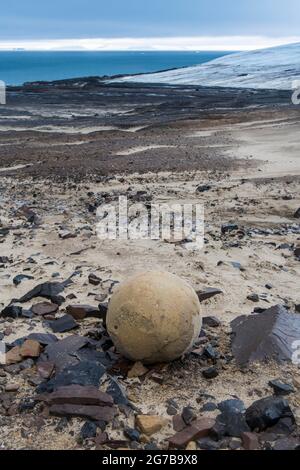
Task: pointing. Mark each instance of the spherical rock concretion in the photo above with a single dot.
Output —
(154, 317)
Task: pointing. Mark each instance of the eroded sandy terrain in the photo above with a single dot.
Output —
(249, 158)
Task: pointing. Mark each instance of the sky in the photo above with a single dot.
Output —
(148, 24)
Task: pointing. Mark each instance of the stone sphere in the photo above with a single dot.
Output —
(154, 317)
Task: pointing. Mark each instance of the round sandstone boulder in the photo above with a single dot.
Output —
(154, 317)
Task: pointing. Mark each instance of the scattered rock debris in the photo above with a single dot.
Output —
(64, 385)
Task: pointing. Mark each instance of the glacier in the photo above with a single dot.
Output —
(273, 68)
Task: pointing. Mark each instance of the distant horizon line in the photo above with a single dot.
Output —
(148, 44)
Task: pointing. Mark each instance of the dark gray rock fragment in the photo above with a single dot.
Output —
(225, 228)
(48, 290)
(281, 388)
(63, 324)
(21, 277)
(11, 311)
(232, 406)
(264, 413)
(266, 336)
(84, 373)
(212, 322)
(208, 293)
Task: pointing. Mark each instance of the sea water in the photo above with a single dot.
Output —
(17, 67)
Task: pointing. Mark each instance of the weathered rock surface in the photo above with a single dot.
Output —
(30, 348)
(79, 312)
(281, 388)
(48, 290)
(264, 413)
(77, 395)
(208, 293)
(13, 356)
(84, 373)
(96, 413)
(44, 308)
(137, 370)
(265, 336)
(200, 428)
(149, 424)
(63, 324)
(250, 441)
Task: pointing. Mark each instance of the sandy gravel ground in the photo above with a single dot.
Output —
(251, 162)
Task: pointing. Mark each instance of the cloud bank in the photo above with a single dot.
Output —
(205, 43)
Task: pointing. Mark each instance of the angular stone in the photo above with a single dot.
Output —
(21, 277)
(43, 338)
(281, 388)
(265, 336)
(232, 406)
(138, 370)
(79, 312)
(158, 378)
(46, 369)
(203, 188)
(210, 353)
(212, 322)
(208, 293)
(178, 423)
(44, 308)
(253, 297)
(210, 373)
(11, 311)
(188, 415)
(94, 280)
(117, 392)
(250, 441)
(102, 438)
(88, 430)
(91, 353)
(171, 410)
(132, 434)
(206, 443)
(284, 427)
(63, 324)
(297, 251)
(192, 446)
(78, 395)
(233, 424)
(225, 228)
(83, 373)
(266, 412)
(208, 407)
(65, 235)
(200, 428)
(237, 265)
(149, 424)
(13, 356)
(297, 214)
(95, 413)
(27, 313)
(48, 290)
(287, 443)
(30, 348)
(62, 352)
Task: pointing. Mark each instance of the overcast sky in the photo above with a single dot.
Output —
(263, 20)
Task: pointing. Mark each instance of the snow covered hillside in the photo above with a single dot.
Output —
(274, 68)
